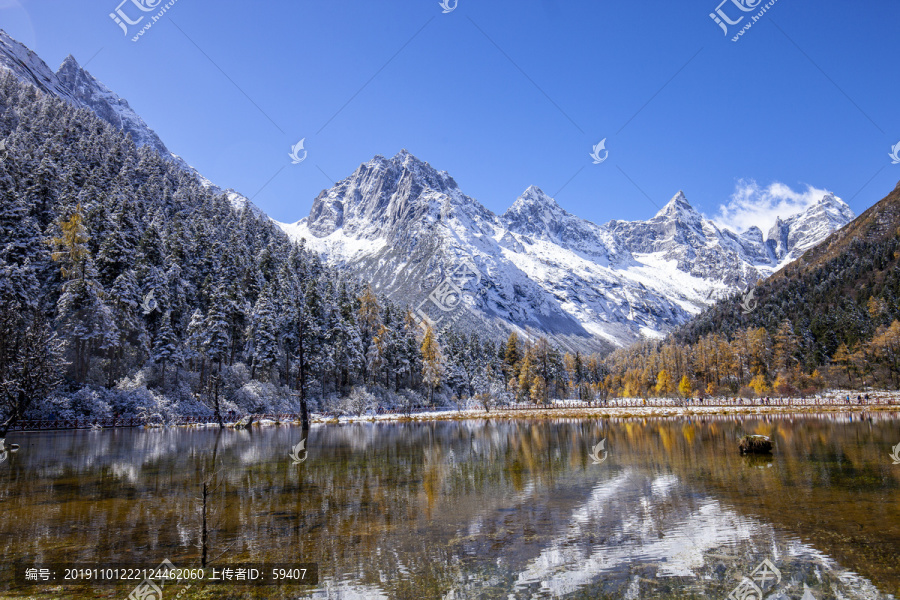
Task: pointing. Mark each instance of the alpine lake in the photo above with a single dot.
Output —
(483, 508)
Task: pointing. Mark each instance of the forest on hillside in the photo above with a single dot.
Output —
(832, 318)
(129, 289)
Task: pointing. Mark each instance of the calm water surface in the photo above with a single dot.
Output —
(474, 509)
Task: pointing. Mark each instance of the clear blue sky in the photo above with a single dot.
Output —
(503, 95)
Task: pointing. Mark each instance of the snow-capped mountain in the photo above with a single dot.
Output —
(92, 94)
(409, 230)
(28, 67)
(79, 88)
(790, 238)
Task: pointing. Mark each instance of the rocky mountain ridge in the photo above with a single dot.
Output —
(406, 227)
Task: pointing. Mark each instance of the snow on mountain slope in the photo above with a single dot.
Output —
(790, 238)
(403, 226)
(28, 67)
(92, 94)
(406, 228)
(81, 89)
(537, 269)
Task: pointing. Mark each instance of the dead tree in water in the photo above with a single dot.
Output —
(210, 517)
(204, 532)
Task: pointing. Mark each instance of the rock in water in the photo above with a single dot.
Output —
(755, 444)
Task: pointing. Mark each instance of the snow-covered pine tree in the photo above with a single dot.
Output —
(264, 346)
(165, 349)
(132, 340)
(82, 312)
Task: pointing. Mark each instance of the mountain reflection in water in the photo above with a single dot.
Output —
(488, 509)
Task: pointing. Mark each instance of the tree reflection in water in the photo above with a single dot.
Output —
(480, 508)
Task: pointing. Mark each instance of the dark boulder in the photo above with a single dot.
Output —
(755, 444)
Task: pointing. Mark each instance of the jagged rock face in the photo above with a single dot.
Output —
(385, 197)
(791, 237)
(29, 67)
(108, 106)
(676, 227)
(79, 88)
(536, 215)
(403, 226)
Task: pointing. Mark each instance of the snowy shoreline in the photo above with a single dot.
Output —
(835, 401)
(603, 413)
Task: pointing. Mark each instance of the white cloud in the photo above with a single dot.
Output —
(752, 205)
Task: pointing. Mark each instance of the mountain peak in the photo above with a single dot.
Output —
(676, 207)
(535, 214)
(29, 68)
(385, 195)
(408, 159)
(534, 204)
(535, 195)
(397, 224)
(790, 237)
(69, 62)
(91, 93)
(404, 160)
(79, 88)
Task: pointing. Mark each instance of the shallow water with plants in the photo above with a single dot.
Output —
(663, 508)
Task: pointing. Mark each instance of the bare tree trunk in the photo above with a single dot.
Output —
(301, 380)
(4, 427)
(216, 398)
(204, 534)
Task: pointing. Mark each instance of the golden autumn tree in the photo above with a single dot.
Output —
(664, 385)
(844, 357)
(538, 390)
(759, 384)
(85, 320)
(432, 362)
(71, 246)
